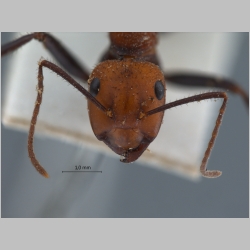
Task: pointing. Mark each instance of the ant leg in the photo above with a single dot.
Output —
(206, 81)
(68, 78)
(198, 98)
(59, 52)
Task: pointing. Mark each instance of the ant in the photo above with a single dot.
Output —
(126, 97)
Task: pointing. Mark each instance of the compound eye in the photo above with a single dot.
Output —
(95, 87)
(159, 90)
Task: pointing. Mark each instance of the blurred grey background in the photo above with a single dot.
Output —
(123, 190)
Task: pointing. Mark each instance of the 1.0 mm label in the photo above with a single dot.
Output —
(79, 167)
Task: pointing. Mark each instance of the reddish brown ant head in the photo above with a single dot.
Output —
(128, 89)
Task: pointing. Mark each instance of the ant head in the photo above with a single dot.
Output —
(128, 89)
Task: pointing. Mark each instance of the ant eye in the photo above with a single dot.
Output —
(94, 86)
(159, 90)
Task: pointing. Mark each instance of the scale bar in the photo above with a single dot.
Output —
(76, 171)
